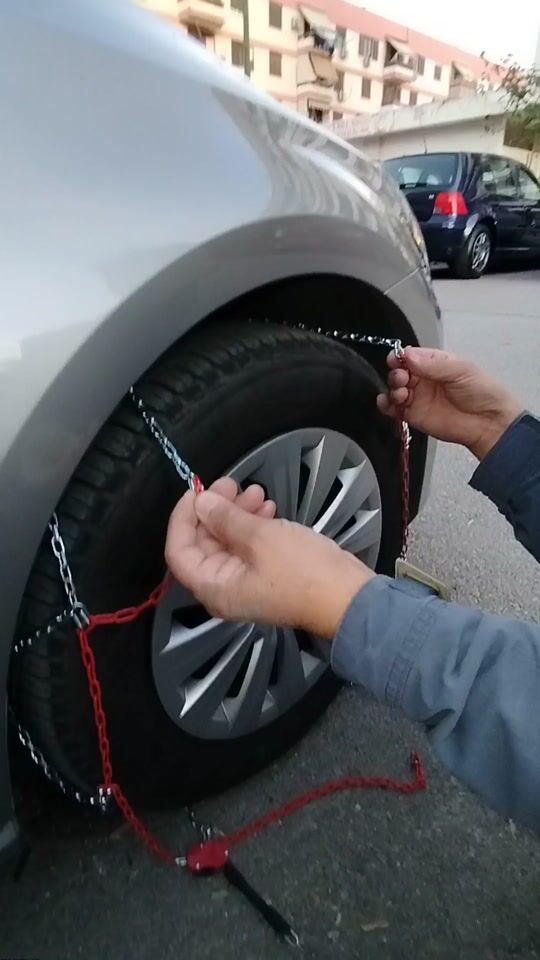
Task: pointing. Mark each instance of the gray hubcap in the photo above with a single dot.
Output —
(218, 680)
(480, 251)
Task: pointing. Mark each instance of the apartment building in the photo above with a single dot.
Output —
(331, 61)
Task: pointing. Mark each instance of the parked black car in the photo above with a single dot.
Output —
(471, 207)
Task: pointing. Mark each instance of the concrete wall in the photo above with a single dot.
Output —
(472, 135)
(476, 124)
(527, 157)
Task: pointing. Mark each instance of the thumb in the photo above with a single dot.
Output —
(437, 365)
(228, 523)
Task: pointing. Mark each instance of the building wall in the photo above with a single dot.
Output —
(359, 72)
(476, 136)
(470, 135)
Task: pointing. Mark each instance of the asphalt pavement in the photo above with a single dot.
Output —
(361, 875)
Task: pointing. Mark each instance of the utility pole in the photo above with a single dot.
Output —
(247, 45)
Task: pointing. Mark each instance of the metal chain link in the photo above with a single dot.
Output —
(182, 468)
(98, 799)
(26, 642)
(342, 336)
(79, 613)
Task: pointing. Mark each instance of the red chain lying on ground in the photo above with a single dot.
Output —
(212, 854)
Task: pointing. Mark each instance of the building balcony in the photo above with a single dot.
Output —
(400, 70)
(316, 76)
(312, 42)
(318, 33)
(316, 93)
(207, 14)
(399, 62)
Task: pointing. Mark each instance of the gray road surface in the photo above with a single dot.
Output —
(362, 876)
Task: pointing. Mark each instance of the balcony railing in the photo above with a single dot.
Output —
(312, 40)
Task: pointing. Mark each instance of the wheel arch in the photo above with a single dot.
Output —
(489, 221)
(483, 219)
(59, 431)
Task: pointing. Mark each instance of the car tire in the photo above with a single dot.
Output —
(218, 393)
(473, 258)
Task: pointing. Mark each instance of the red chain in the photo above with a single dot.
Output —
(404, 439)
(213, 853)
(405, 484)
(94, 688)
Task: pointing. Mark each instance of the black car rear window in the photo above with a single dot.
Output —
(424, 170)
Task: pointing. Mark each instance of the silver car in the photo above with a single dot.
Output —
(168, 225)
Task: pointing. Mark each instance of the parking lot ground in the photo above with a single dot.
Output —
(363, 875)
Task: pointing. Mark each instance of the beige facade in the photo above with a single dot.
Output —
(330, 62)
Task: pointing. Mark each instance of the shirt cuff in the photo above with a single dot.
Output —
(381, 635)
(508, 460)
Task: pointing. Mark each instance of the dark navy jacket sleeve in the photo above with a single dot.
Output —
(472, 679)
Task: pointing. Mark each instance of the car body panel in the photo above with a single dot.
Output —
(515, 220)
(144, 187)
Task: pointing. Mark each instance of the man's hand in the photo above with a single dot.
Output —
(243, 565)
(448, 398)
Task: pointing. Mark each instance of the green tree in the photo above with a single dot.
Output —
(522, 90)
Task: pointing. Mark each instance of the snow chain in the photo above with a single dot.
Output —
(76, 611)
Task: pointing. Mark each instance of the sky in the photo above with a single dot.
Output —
(473, 25)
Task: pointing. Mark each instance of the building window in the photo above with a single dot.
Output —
(274, 63)
(275, 12)
(368, 47)
(437, 71)
(420, 65)
(237, 53)
(339, 82)
(413, 98)
(237, 5)
(195, 33)
(203, 36)
(317, 114)
(390, 94)
(366, 88)
(337, 115)
(341, 41)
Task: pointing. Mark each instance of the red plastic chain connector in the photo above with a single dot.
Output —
(208, 856)
(197, 484)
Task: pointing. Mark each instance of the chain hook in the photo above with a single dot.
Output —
(80, 615)
(398, 350)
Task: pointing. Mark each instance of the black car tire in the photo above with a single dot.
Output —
(462, 265)
(221, 391)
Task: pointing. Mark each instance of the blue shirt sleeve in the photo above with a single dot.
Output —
(510, 477)
(472, 679)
